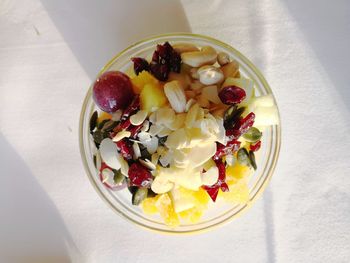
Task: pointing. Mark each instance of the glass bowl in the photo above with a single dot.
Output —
(217, 213)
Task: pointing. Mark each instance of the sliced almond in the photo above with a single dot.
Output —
(136, 150)
(124, 166)
(176, 96)
(177, 139)
(166, 158)
(138, 118)
(144, 137)
(164, 132)
(189, 104)
(178, 122)
(161, 185)
(191, 115)
(155, 158)
(121, 135)
(152, 118)
(201, 153)
(145, 126)
(155, 129)
(180, 159)
(210, 177)
(152, 145)
(109, 153)
(148, 164)
(164, 116)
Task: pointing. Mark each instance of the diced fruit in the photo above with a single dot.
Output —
(266, 116)
(193, 215)
(152, 96)
(112, 91)
(140, 176)
(232, 95)
(182, 198)
(141, 80)
(239, 193)
(166, 210)
(149, 205)
(235, 173)
(140, 64)
(103, 116)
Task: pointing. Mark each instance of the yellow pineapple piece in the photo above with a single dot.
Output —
(235, 173)
(143, 78)
(239, 193)
(149, 205)
(192, 215)
(166, 210)
(202, 198)
(103, 116)
(151, 96)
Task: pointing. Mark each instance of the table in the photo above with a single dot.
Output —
(51, 50)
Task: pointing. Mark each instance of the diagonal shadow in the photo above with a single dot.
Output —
(31, 229)
(95, 31)
(326, 26)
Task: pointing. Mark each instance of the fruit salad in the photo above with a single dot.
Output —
(179, 131)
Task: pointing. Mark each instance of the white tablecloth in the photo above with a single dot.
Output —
(51, 50)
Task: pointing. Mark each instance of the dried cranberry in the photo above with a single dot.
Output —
(125, 148)
(232, 95)
(124, 125)
(241, 126)
(140, 64)
(139, 176)
(220, 184)
(222, 150)
(255, 147)
(164, 60)
(132, 108)
(160, 71)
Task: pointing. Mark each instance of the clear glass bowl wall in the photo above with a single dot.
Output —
(217, 213)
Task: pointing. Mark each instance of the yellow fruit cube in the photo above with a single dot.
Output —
(192, 215)
(239, 193)
(202, 198)
(149, 205)
(152, 96)
(103, 116)
(235, 173)
(166, 210)
(143, 78)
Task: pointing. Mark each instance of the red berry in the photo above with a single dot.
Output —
(125, 149)
(140, 64)
(241, 126)
(220, 184)
(222, 150)
(112, 91)
(232, 95)
(160, 71)
(255, 147)
(139, 175)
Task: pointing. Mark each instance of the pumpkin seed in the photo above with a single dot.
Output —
(98, 136)
(252, 135)
(93, 121)
(162, 140)
(101, 124)
(118, 176)
(109, 125)
(232, 114)
(243, 157)
(252, 160)
(139, 195)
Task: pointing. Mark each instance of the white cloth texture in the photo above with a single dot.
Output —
(50, 51)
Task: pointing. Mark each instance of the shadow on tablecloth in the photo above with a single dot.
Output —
(31, 229)
(97, 30)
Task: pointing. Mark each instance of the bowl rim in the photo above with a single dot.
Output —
(264, 183)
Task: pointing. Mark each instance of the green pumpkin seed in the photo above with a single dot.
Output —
(243, 157)
(118, 176)
(139, 195)
(98, 136)
(94, 160)
(252, 135)
(93, 121)
(252, 160)
(101, 124)
(109, 125)
(232, 114)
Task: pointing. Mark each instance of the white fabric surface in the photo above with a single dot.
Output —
(51, 50)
